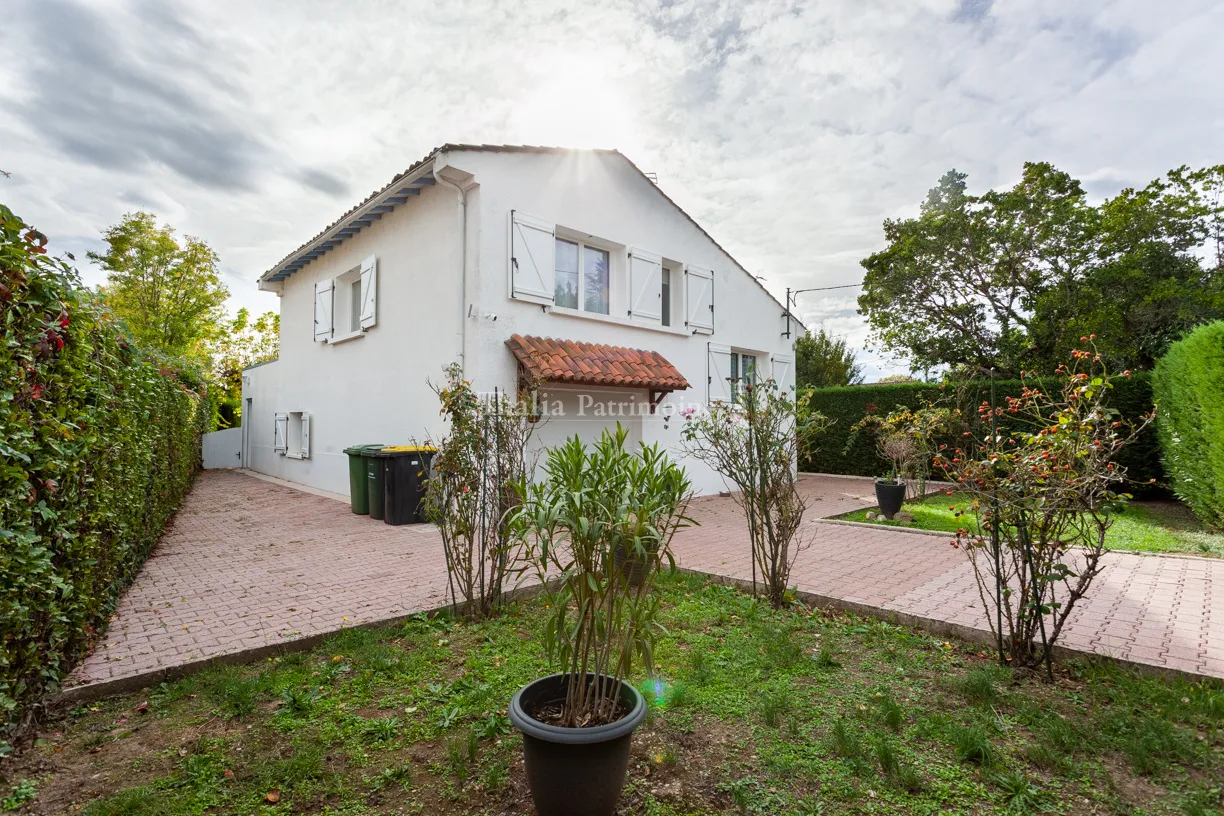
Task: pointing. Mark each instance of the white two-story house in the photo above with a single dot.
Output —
(567, 268)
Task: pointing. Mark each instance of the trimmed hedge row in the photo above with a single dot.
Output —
(1189, 384)
(98, 446)
(1132, 397)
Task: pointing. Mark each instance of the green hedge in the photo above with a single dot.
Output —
(848, 404)
(98, 446)
(1189, 385)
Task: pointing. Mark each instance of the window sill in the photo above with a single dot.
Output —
(619, 321)
(344, 338)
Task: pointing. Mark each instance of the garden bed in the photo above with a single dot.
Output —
(1161, 526)
(752, 712)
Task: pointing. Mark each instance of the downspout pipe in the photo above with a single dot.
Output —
(461, 194)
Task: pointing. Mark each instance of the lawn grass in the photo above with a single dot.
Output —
(752, 712)
(1144, 526)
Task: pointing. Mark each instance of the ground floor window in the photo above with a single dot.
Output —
(743, 372)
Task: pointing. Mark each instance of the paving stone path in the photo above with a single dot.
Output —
(250, 566)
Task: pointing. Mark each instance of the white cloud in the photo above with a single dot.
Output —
(789, 129)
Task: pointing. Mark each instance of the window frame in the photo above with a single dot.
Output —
(738, 371)
(583, 244)
(342, 293)
(297, 427)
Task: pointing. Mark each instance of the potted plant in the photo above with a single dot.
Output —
(577, 725)
(890, 490)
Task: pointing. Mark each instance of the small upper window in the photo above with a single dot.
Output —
(665, 296)
(582, 277)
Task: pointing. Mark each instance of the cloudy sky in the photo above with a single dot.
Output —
(790, 130)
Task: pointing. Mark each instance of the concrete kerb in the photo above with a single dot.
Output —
(123, 685)
(110, 688)
(942, 628)
(870, 525)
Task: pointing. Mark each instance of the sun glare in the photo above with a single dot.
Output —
(581, 106)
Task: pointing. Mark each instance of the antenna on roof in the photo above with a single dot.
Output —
(652, 176)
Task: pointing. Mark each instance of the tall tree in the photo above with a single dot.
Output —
(822, 360)
(169, 293)
(237, 344)
(1012, 279)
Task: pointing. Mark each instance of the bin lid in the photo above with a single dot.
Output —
(357, 450)
(410, 449)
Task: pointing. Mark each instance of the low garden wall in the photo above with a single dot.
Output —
(98, 447)
(840, 453)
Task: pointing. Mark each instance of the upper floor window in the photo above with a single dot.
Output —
(582, 279)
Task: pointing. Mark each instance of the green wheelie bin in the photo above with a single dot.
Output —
(359, 490)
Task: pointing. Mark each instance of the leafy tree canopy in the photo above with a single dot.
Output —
(169, 293)
(239, 343)
(1012, 279)
(822, 360)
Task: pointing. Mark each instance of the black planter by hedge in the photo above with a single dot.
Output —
(574, 770)
(890, 496)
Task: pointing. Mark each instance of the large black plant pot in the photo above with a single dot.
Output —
(574, 770)
(890, 497)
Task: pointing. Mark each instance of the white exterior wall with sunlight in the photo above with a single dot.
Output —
(454, 283)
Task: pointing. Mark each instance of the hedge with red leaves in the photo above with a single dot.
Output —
(98, 446)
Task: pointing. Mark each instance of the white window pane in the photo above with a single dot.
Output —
(566, 294)
(355, 305)
(595, 280)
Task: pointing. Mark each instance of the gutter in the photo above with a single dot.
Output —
(461, 200)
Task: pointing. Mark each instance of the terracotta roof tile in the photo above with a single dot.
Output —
(569, 361)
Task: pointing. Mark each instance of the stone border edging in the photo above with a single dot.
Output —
(956, 630)
(92, 692)
(873, 526)
(110, 688)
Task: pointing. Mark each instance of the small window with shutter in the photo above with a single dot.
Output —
(297, 434)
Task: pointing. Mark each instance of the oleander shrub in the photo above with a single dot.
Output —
(98, 446)
(842, 450)
(1189, 388)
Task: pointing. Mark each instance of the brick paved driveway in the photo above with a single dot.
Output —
(250, 565)
(1158, 610)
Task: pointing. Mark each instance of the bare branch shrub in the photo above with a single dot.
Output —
(754, 443)
(471, 488)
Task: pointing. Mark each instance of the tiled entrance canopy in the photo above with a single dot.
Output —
(544, 359)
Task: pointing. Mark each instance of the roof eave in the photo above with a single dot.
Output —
(401, 189)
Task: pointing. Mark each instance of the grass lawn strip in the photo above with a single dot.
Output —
(752, 712)
(1144, 526)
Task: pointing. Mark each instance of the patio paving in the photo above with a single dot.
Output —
(251, 567)
(1152, 609)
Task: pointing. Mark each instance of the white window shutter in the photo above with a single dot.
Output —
(699, 299)
(323, 322)
(305, 435)
(369, 292)
(719, 373)
(645, 286)
(280, 430)
(784, 372)
(533, 270)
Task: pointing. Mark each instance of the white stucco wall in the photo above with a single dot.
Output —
(222, 449)
(600, 195)
(373, 388)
